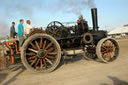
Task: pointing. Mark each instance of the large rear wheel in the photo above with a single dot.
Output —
(41, 53)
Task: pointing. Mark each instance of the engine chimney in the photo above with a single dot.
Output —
(94, 19)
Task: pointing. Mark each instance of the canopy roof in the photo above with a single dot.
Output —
(119, 30)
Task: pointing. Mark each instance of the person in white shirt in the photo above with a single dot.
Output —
(28, 27)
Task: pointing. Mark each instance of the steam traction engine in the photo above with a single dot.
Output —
(42, 50)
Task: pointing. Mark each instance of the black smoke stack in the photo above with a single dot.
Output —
(94, 19)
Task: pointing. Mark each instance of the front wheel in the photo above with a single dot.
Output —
(107, 50)
(41, 53)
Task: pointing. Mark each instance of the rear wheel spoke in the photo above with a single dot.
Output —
(30, 49)
(51, 49)
(30, 58)
(51, 53)
(33, 61)
(49, 45)
(44, 44)
(41, 64)
(50, 57)
(37, 45)
(33, 45)
(30, 54)
(44, 63)
(41, 42)
(49, 61)
(37, 62)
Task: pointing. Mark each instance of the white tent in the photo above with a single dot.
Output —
(119, 30)
(125, 29)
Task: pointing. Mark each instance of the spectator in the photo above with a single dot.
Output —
(28, 27)
(12, 30)
(21, 32)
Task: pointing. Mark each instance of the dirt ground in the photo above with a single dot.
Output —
(74, 72)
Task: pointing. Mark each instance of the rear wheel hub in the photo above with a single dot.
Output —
(42, 53)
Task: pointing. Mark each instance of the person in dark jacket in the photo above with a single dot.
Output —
(12, 30)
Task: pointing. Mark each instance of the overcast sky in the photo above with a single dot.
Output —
(111, 13)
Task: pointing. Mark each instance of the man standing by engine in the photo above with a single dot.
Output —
(28, 27)
(21, 32)
(12, 30)
(82, 24)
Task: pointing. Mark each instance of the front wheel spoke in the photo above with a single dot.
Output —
(110, 49)
(107, 58)
(37, 44)
(114, 49)
(33, 50)
(104, 47)
(113, 53)
(110, 54)
(106, 55)
(111, 44)
(49, 61)
(103, 52)
(104, 44)
(33, 61)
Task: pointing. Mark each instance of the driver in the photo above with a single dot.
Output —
(82, 24)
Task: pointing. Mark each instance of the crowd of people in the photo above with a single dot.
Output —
(21, 30)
